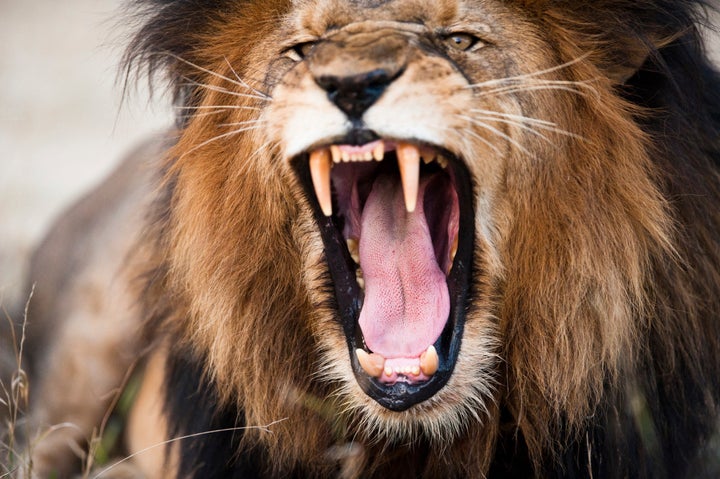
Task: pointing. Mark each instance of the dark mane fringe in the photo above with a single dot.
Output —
(671, 30)
(170, 30)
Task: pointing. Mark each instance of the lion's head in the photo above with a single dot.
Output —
(434, 216)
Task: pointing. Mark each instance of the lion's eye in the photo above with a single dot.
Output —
(300, 51)
(461, 41)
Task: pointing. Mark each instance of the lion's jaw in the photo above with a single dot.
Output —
(416, 257)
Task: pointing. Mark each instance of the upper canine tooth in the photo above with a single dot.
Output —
(409, 163)
(429, 361)
(443, 161)
(373, 364)
(379, 151)
(320, 165)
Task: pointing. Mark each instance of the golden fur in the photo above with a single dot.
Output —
(589, 267)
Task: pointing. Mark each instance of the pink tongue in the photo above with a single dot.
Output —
(406, 297)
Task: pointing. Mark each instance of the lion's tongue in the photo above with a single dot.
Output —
(406, 301)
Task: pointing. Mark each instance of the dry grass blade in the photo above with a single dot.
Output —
(16, 396)
(265, 428)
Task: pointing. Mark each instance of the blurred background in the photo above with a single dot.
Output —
(63, 121)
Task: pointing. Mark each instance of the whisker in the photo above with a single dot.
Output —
(240, 83)
(485, 141)
(534, 84)
(262, 148)
(218, 137)
(521, 121)
(540, 81)
(218, 107)
(529, 75)
(243, 82)
(479, 121)
(520, 89)
(258, 121)
(503, 135)
(201, 114)
(511, 116)
(223, 90)
(210, 110)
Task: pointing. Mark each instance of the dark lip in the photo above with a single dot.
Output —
(360, 136)
(356, 136)
(399, 396)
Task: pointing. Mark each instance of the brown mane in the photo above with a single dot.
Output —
(606, 297)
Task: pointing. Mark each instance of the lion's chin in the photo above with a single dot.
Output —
(396, 220)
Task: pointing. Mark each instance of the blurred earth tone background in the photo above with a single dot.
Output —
(63, 124)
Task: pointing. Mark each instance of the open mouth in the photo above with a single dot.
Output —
(396, 221)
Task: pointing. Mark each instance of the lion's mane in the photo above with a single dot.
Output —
(605, 305)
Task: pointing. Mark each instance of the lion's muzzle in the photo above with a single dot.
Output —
(394, 211)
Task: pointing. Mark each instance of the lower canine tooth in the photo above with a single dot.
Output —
(320, 165)
(453, 252)
(429, 361)
(372, 364)
(352, 245)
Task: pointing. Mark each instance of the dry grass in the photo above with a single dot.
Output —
(100, 459)
(14, 400)
(16, 444)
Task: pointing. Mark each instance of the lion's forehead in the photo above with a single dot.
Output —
(321, 16)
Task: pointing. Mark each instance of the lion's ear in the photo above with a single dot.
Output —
(625, 61)
(615, 33)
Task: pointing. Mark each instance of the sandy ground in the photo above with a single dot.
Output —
(62, 122)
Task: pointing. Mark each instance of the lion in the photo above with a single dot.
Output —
(399, 238)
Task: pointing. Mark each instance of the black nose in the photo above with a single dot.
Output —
(356, 93)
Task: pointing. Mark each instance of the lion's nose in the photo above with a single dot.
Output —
(354, 94)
